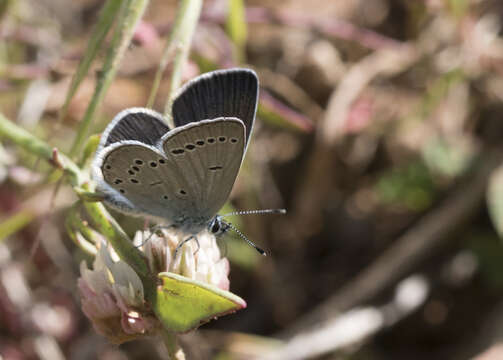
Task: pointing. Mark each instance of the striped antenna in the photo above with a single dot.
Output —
(262, 252)
(254, 212)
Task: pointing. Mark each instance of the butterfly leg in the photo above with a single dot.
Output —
(179, 246)
(153, 229)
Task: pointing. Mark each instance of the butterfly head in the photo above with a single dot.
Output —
(217, 226)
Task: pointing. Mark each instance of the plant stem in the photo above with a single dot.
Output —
(38, 147)
(79, 180)
(131, 15)
(180, 39)
(107, 16)
(119, 240)
(169, 339)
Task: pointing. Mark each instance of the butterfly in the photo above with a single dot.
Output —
(180, 176)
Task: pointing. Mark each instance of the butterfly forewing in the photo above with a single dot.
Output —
(207, 155)
(222, 93)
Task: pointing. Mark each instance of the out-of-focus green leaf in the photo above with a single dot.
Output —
(14, 223)
(105, 22)
(410, 186)
(448, 158)
(458, 7)
(183, 304)
(495, 199)
(489, 252)
(203, 63)
(236, 27)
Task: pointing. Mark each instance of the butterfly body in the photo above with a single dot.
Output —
(182, 176)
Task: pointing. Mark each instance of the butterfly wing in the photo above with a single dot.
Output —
(183, 181)
(137, 179)
(140, 124)
(221, 93)
(207, 156)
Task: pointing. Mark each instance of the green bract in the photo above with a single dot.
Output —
(184, 304)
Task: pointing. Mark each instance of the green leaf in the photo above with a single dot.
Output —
(183, 304)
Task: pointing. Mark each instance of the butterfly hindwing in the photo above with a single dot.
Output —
(138, 179)
(140, 124)
(185, 180)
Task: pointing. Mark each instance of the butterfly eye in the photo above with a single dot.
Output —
(234, 140)
(200, 142)
(153, 164)
(138, 162)
(211, 140)
(215, 227)
(190, 146)
(222, 139)
(162, 161)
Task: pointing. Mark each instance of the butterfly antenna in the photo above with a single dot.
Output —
(253, 212)
(242, 236)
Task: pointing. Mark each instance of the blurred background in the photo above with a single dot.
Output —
(379, 129)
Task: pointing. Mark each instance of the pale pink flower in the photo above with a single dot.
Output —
(198, 260)
(112, 298)
(112, 293)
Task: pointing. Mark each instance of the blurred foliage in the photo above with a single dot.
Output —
(411, 187)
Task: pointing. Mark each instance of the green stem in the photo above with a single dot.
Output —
(15, 223)
(79, 180)
(128, 20)
(236, 28)
(169, 339)
(107, 15)
(119, 240)
(181, 38)
(36, 146)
